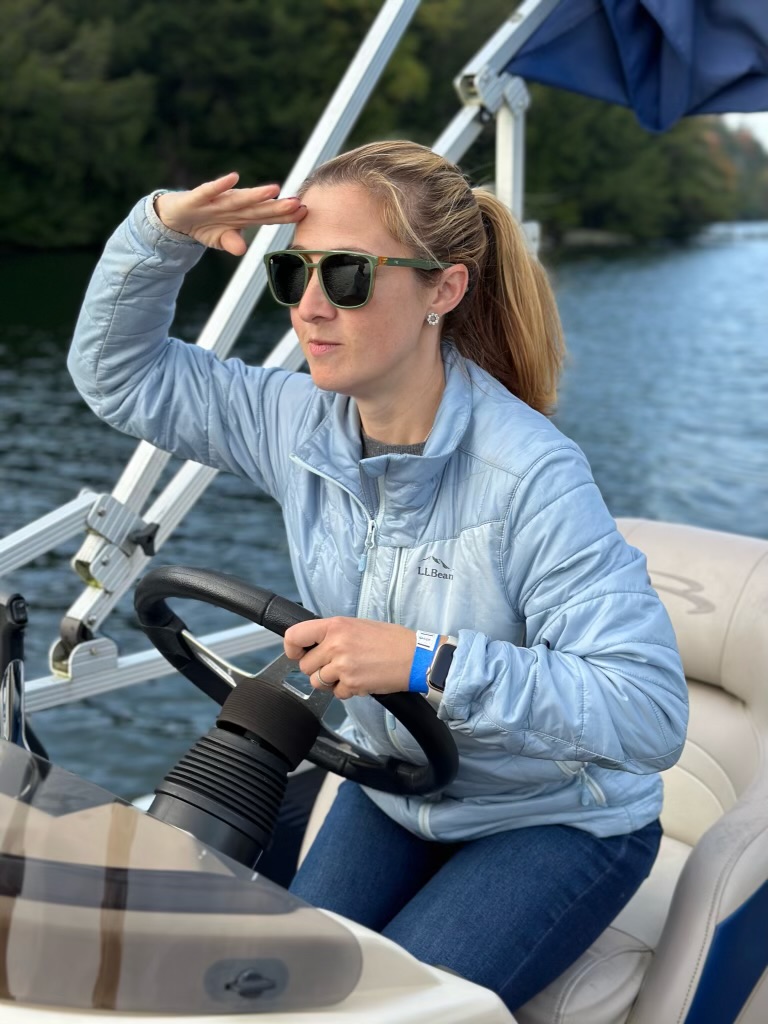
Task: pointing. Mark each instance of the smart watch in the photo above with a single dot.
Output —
(437, 673)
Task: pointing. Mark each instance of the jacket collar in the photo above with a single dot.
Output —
(334, 448)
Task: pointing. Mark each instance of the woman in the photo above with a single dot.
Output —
(442, 527)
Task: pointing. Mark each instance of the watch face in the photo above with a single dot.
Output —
(441, 663)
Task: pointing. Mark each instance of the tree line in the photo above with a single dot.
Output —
(100, 103)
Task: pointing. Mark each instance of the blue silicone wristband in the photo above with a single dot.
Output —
(426, 644)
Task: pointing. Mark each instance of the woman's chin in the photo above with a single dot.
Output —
(326, 381)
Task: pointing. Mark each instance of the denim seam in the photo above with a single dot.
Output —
(598, 881)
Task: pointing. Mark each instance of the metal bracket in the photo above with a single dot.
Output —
(114, 531)
(515, 93)
(489, 89)
(479, 81)
(113, 521)
(485, 85)
(91, 660)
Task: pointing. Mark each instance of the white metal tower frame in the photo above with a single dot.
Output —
(121, 535)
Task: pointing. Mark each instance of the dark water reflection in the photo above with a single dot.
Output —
(665, 390)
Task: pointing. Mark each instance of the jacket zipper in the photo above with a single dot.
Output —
(370, 540)
(390, 719)
(589, 788)
(363, 566)
(424, 820)
(590, 785)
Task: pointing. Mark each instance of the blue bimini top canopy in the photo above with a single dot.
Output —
(663, 58)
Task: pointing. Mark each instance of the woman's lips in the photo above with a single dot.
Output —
(319, 348)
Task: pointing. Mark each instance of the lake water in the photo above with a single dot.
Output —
(666, 390)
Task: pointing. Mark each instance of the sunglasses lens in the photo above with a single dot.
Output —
(286, 277)
(346, 278)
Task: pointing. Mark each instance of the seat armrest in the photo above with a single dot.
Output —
(725, 870)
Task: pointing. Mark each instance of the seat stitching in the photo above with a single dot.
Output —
(723, 877)
(622, 931)
(714, 761)
(732, 616)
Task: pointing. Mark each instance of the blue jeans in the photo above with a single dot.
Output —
(510, 911)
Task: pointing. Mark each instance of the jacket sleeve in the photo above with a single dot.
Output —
(177, 396)
(600, 677)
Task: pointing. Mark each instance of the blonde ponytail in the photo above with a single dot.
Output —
(507, 322)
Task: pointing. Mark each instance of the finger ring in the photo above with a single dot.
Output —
(323, 683)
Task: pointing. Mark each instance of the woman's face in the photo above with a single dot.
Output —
(372, 353)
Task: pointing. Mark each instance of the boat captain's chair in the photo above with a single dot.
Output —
(691, 947)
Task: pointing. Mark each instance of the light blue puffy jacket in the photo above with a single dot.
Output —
(566, 695)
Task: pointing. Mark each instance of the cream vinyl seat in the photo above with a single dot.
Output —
(691, 947)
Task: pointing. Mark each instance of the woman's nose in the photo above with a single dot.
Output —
(314, 304)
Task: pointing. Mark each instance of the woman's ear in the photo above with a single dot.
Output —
(450, 290)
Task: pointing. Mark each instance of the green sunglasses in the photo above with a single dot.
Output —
(345, 277)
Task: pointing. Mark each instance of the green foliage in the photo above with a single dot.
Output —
(239, 83)
(66, 129)
(702, 188)
(591, 165)
(746, 166)
(100, 103)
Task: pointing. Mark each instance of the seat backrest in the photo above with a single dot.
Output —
(715, 588)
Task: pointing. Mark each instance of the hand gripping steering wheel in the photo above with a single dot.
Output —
(235, 776)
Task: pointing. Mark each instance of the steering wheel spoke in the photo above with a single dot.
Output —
(274, 673)
(225, 670)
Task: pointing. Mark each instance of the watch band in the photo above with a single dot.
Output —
(426, 644)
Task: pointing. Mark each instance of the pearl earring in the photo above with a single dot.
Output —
(432, 319)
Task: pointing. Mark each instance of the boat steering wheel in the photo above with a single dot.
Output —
(264, 707)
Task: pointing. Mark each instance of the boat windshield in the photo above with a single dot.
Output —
(104, 907)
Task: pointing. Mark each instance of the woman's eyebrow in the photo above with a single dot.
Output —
(339, 248)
